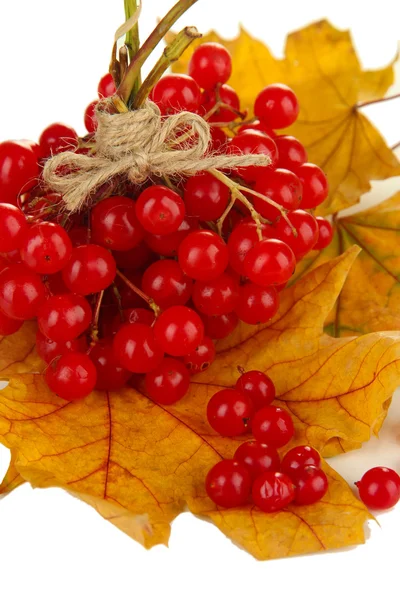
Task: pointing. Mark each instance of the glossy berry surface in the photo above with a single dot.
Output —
(210, 64)
(257, 304)
(325, 233)
(281, 186)
(106, 87)
(110, 374)
(258, 386)
(9, 326)
(217, 297)
(136, 348)
(292, 153)
(202, 357)
(273, 425)
(229, 412)
(48, 350)
(203, 255)
(299, 457)
(46, 248)
(178, 330)
(115, 224)
(167, 245)
(315, 185)
(21, 292)
(166, 283)
(242, 239)
(174, 93)
(272, 492)
(168, 382)
(277, 106)
(18, 169)
(306, 228)
(13, 227)
(160, 210)
(220, 327)
(64, 318)
(254, 142)
(311, 485)
(379, 488)
(130, 315)
(58, 138)
(228, 484)
(226, 95)
(72, 376)
(90, 269)
(205, 197)
(270, 262)
(257, 458)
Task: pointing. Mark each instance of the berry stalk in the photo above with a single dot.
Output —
(154, 307)
(132, 37)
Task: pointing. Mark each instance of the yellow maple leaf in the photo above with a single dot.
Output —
(140, 464)
(321, 65)
(370, 298)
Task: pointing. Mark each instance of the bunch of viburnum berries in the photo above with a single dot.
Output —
(140, 285)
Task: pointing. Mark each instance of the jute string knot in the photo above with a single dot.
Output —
(137, 145)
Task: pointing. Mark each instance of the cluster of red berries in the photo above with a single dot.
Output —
(145, 280)
(256, 467)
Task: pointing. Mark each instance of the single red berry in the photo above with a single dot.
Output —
(110, 374)
(230, 413)
(139, 257)
(48, 350)
(166, 283)
(72, 376)
(90, 118)
(205, 197)
(257, 458)
(311, 485)
(292, 153)
(315, 185)
(254, 142)
(9, 326)
(168, 382)
(220, 327)
(64, 318)
(258, 386)
(115, 224)
(211, 63)
(217, 297)
(58, 138)
(203, 255)
(257, 304)
(13, 227)
(18, 169)
(325, 236)
(226, 95)
(299, 457)
(244, 237)
(136, 348)
(228, 484)
(130, 315)
(21, 292)
(167, 245)
(306, 228)
(90, 269)
(273, 425)
(160, 210)
(201, 358)
(270, 262)
(178, 330)
(46, 248)
(379, 488)
(175, 93)
(281, 186)
(106, 87)
(277, 106)
(272, 492)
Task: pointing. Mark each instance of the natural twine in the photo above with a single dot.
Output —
(137, 145)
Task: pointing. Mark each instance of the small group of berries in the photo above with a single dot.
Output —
(256, 467)
(144, 280)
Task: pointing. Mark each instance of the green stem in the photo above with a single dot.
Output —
(132, 38)
(133, 74)
(171, 53)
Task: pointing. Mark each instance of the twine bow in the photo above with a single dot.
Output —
(137, 145)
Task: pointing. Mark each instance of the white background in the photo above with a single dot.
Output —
(52, 547)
